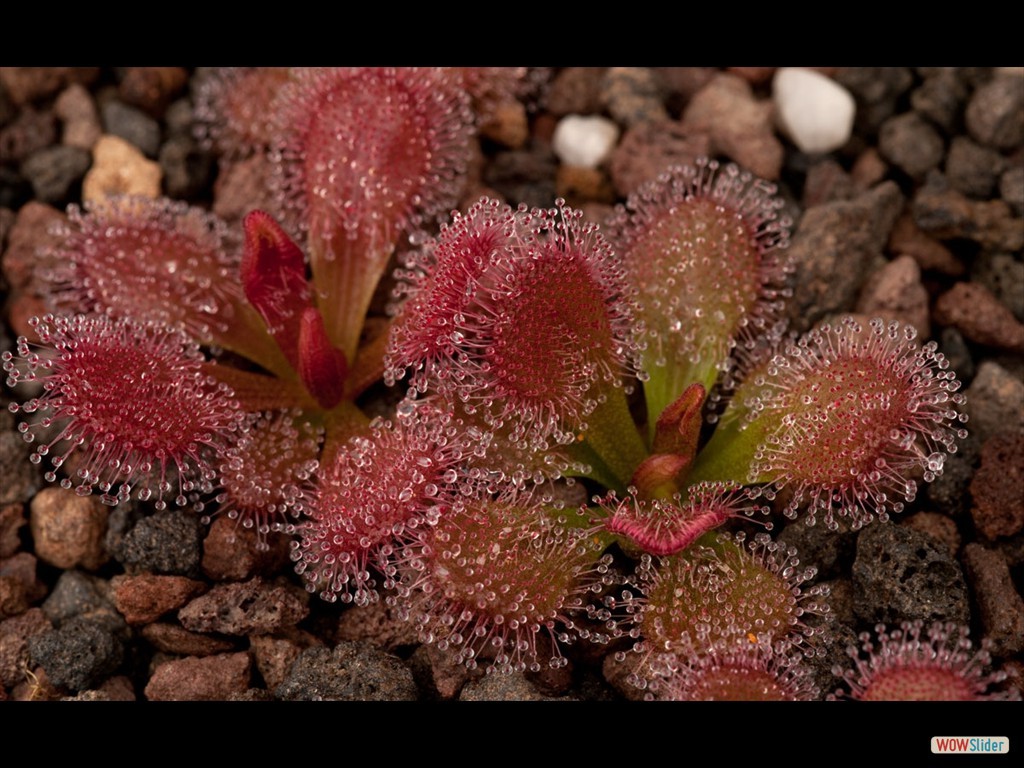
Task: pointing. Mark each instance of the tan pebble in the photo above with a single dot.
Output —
(119, 168)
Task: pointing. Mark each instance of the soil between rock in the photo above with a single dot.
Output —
(917, 218)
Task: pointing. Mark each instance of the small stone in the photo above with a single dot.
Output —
(78, 655)
(175, 639)
(77, 111)
(754, 75)
(252, 607)
(995, 112)
(998, 487)
(948, 493)
(376, 623)
(834, 248)
(524, 176)
(954, 347)
(133, 126)
(80, 595)
(972, 168)
(30, 233)
(900, 574)
(868, 169)
(12, 519)
(941, 528)
(1011, 188)
(578, 185)
(350, 672)
(584, 141)
(910, 143)
(30, 132)
(648, 149)
(813, 110)
(275, 655)
(185, 167)
(940, 98)
(25, 84)
(945, 213)
(14, 635)
(68, 529)
(826, 182)
(152, 88)
(895, 292)
(575, 90)
(929, 253)
(1003, 275)
(20, 479)
(995, 401)
(435, 675)
(828, 551)
(507, 125)
(165, 542)
(210, 678)
(633, 95)
(877, 90)
(145, 598)
(241, 187)
(55, 172)
(1000, 606)
(513, 687)
(740, 126)
(14, 599)
(120, 169)
(617, 674)
(979, 316)
(232, 553)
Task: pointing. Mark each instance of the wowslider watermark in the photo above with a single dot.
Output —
(970, 745)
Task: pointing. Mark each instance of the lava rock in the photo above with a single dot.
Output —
(55, 172)
(940, 98)
(77, 111)
(946, 214)
(998, 487)
(77, 655)
(648, 149)
(575, 90)
(514, 687)
(175, 639)
(14, 636)
(877, 90)
(242, 609)
(25, 84)
(186, 168)
(145, 598)
(633, 95)
(524, 176)
(972, 168)
(152, 88)
(165, 542)
(210, 678)
(900, 574)
(31, 132)
(1003, 275)
(350, 672)
(132, 125)
(980, 316)
(910, 143)
(994, 401)
(995, 112)
(895, 292)
(1011, 188)
(1000, 606)
(68, 529)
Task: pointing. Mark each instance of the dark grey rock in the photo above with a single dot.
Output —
(940, 97)
(877, 91)
(995, 401)
(995, 112)
(513, 687)
(56, 172)
(834, 249)
(1003, 275)
(829, 551)
(78, 655)
(972, 168)
(186, 167)
(948, 492)
(911, 143)
(899, 574)
(252, 607)
(1011, 188)
(524, 176)
(77, 594)
(30, 132)
(20, 478)
(15, 190)
(166, 542)
(956, 351)
(633, 95)
(353, 671)
(133, 125)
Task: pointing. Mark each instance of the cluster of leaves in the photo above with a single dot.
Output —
(644, 361)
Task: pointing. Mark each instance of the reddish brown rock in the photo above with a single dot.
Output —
(252, 607)
(868, 169)
(68, 529)
(145, 598)
(173, 638)
(241, 187)
(30, 132)
(995, 401)
(940, 527)
(648, 149)
(14, 597)
(77, 111)
(275, 655)
(152, 88)
(945, 213)
(25, 84)
(998, 487)
(895, 292)
(929, 253)
(231, 552)
(22, 567)
(435, 673)
(579, 185)
(754, 75)
(974, 311)
(375, 623)
(507, 125)
(14, 635)
(211, 678)
(739, 124)
(826, 181)
(36, 686)
(12, 519)
(999, 604)
(575, 90)
(31, 231)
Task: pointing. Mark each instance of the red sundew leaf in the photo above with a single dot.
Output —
(323, 368)
(678, 427)
(273, 271)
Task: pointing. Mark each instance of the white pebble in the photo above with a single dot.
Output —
(584, 141)
(813, 110)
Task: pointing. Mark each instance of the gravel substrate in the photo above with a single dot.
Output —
(917, 217)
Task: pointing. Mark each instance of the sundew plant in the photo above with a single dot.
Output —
(531, 354)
